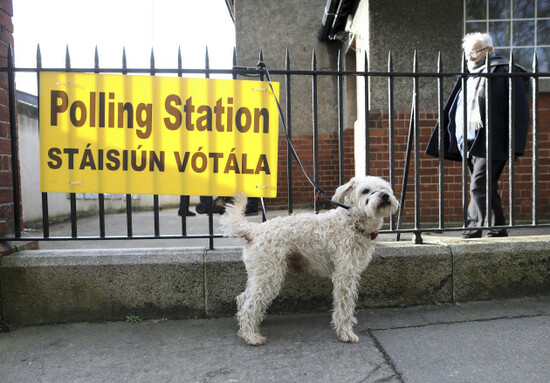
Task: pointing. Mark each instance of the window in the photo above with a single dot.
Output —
(520, 25)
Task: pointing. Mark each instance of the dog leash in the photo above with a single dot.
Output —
(319, 192)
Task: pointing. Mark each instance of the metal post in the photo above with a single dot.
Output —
(101, 196)
(315, 128)
(367, 131)
(417, 239)
(156, 207)
(45, 213)
(511, 140)
(391, 132)
(210, 209)
(488, 145)
(72, 196)
(289, 132)
(441, 141)
(129, 227)
(183, 214)
(535, 123)
(464, 149)
(340, 118)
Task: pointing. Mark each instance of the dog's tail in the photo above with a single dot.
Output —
(233, 221)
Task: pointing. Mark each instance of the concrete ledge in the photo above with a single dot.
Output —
(89, 285)
(501, 268)
(54, 286)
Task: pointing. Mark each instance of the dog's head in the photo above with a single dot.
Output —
(372, 194)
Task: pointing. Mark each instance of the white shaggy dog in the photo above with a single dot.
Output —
(336, 244)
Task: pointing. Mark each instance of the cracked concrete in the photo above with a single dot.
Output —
(496, 341)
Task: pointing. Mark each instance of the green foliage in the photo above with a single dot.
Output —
(133, 319)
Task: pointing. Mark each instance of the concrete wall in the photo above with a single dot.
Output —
(401, 27)
(274, 27)
(396, 28)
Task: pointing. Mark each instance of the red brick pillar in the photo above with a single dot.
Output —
(7, 222)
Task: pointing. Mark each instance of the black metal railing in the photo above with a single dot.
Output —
(413, 145)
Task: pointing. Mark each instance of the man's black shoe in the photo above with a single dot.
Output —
(493, 234)
(471, 234)
(249, 212)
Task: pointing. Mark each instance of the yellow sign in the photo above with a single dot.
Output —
(157, 135)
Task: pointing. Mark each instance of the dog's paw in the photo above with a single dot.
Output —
(254, 339)
(347, 336)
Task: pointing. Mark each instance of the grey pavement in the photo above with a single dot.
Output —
(497, 341)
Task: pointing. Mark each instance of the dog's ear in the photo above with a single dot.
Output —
(344, 191)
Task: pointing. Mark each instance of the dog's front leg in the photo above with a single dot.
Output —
(345, 286)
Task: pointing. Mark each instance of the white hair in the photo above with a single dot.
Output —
(471, 38)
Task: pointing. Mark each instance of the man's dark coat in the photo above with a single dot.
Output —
(499, 120)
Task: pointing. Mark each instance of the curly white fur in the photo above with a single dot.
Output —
(337, 244)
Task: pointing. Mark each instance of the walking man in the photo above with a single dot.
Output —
(477, 46)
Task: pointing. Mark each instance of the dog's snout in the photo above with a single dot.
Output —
(385, 197)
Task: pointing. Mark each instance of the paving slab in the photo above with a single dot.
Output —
(494, 341)
(300, 348)
(491, 351)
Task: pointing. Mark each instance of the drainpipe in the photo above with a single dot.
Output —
(330, 16)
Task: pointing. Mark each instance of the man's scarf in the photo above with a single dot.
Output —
(476, 90)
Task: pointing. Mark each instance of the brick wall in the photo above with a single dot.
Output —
(429, 194)
(6, 184)
(328, 167)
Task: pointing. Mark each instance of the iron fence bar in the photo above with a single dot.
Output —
(410, 139)
(367, 115)
(119, 237)
(488, 146)
(210, 200)
(402, 199)
(535, 127)
(340, 120)
(45, 212)
(464, 149)
(199, 236)
(254, 71)
(391, 129)
(129, 227)
(288, 96)
(72, 196)
(264, 212)
(74, 224)
(234, 74)
(315, 136)
(417, 234)
(441, 142)
(14, 147)
(156, 209)
(100, 196)
(183, 213)
(511, 142)
(391, 141)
